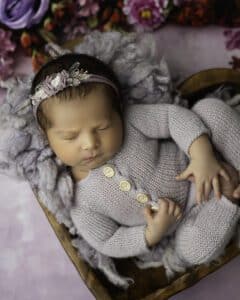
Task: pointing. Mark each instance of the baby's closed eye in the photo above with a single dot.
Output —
(74, 136)
(104, 127)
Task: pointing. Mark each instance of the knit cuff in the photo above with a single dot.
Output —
(231, 205)
(140, 235)
(185, 127)
(190, 139)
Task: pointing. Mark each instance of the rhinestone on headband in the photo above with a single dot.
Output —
(56, 82)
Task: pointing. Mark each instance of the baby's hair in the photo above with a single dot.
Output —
(88, 63)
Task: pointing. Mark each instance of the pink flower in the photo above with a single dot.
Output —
(87, 8)
(146, 14)
(7, 47)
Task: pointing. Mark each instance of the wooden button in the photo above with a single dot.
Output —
(108, 171)
(142, 198)
(125, 185)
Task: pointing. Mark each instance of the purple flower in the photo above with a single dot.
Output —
(75, 28)
(79, 23)
(233, 39)
(7, 47)
(18, 14)
(146, 14)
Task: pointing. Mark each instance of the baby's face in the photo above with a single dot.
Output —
(83, 128)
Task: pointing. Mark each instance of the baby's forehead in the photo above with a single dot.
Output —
(79, 112)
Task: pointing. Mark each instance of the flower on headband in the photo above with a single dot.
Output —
(56, 82)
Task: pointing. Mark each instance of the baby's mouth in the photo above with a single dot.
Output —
(90, 159)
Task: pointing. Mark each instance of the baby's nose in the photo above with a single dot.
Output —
(89, 142)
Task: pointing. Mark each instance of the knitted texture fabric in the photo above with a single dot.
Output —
(110, 219)
(150, 164)
(196, 241)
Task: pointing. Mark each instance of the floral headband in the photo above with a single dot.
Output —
(57, 82)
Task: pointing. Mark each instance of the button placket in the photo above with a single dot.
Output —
(142, 198)
(125, 185)
(110, 171)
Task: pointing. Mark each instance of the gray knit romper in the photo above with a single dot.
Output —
(108, 205)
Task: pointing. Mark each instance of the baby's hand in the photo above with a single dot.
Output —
(206, 172)
(159, 221)
(228, 187)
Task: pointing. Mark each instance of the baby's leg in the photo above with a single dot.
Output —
(224, 123)
(206, 230)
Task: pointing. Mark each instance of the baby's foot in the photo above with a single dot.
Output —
(228, 189)
(236, 193)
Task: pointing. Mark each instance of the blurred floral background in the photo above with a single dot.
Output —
(30, 24)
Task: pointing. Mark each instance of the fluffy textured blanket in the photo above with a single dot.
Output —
(24, 154)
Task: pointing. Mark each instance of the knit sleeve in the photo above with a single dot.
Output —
(162, 120)
(107, 236)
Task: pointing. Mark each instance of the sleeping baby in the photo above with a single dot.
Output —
(125, 160)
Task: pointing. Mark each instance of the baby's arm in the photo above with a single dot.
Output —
(107, 236)
(167, 120)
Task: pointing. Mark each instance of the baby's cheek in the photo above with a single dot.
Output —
(112, 144)
(65, 153)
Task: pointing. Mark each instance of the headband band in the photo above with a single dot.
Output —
(57, 82)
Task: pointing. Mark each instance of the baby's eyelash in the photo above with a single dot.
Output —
(70, 138)
(106, 127)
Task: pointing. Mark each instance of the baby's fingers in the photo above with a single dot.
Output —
(224, 174)
(177, 212)
(199, 192)
(207, 190)
(216, 187)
